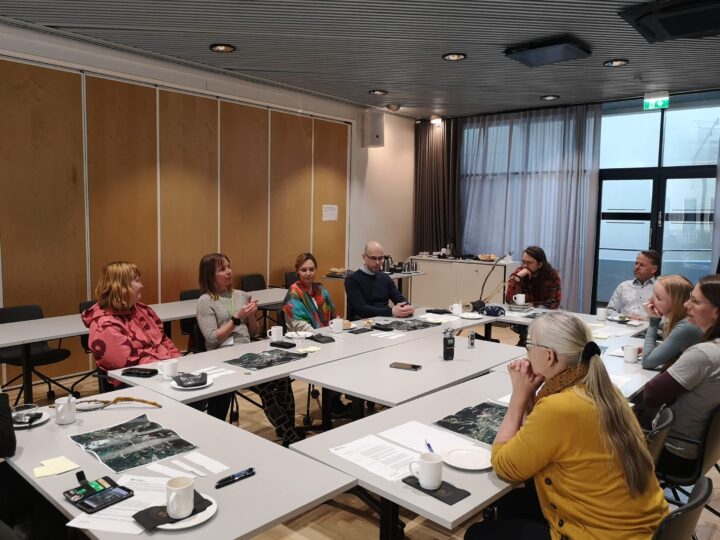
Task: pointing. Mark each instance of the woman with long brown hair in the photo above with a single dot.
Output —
(577, 439)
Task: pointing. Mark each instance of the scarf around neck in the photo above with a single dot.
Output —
(570, 376)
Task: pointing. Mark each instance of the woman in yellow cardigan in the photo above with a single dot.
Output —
(579, 442)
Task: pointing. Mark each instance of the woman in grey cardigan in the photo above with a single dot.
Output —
(669, 296)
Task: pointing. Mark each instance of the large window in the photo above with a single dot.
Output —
(657, 190)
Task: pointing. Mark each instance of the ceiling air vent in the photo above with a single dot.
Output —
(673, 19)
(548, 52)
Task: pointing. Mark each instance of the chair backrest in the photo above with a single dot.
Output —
(290, 278)
(198, 340)
(681, 522)
(186, 325)
(657, 436)
(252, 282)
(13, 314)
(84, 340)
(711, 443)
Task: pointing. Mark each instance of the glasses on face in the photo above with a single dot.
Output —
(695, 302)
(381, 258)
(530, 344)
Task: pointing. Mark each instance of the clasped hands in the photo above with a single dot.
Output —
(403, 309)
(525, 382)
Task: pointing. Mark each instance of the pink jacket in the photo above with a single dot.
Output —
(121, 339)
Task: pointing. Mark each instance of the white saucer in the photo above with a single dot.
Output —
(617, 319)
(299, 335)
(44, 418)
(192, 521)
(176, 386)
(472, 458)
(471, 315)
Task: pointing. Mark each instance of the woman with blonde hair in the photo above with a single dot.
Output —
(579, 442)
(124, 332)
(668, 301)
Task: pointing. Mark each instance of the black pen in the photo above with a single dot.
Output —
(247, 473)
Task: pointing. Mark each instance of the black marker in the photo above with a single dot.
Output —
(247, 473)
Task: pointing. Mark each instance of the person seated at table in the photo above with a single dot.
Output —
(630, 296)
(536, 279)
(307, 305)
(369, 289)
(578, 442)
(226, 317)
(124, 332)
(668, 300)
(691, 386)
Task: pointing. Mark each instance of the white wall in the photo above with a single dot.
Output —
(381, 179)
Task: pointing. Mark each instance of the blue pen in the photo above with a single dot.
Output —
(430, 448)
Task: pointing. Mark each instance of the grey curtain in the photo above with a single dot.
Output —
(437, 189)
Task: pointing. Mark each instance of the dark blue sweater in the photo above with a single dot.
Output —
(368, 295)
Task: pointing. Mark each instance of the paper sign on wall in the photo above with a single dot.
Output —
(330, 212)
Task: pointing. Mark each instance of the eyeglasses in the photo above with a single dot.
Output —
(695, 302)
(381, 258)
(530, 344)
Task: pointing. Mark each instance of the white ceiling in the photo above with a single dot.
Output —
(342, 49)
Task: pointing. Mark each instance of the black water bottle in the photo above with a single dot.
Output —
(448, 345)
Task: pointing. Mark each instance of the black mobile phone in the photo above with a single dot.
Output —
(405, 365)
(282, 344)
(139, 372)
(98, 494)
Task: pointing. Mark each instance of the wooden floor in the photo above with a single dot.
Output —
(346, 516)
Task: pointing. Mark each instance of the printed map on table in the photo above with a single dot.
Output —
(265, 359)
(480, 422)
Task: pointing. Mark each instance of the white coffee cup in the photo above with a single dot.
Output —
(519, 299)
(428, 469)
(169, 368)
(456, 309)
(631, 353)
(180, 497)
(275, 333)
(601, 314)
(65, 410)
(336, 325)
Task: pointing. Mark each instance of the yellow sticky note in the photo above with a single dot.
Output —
(599, 335)
(56, 465)
(309, 349)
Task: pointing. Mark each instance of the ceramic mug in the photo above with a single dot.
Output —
(631, 353)
(428, 469)
(169, 368)
(456, 309)
(65, 410)
(336, 325)
(275, 333)
(180, 497)
(601, 314)
(519, 299)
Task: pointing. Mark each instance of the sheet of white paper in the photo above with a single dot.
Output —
(329, 212)
(505, 400)
(210, 464)
(188, 468)
(616, 352)
(613, 331)
(118, 517)
(155, 484)
(432, 317)
(378, 456)
(413, 435)
(394, 335)
(619, 380)
(167, 471)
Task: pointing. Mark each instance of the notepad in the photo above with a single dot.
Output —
(56, 465)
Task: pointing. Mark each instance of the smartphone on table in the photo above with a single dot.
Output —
(405, 365)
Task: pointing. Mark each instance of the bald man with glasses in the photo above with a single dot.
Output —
(369, 290)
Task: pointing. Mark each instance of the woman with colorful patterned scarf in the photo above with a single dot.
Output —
(577, 440)
(307, 304)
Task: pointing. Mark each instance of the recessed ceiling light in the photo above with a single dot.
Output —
(550, 97)
(435, 120)
(616, 62)
(454, 56)
(377, 92)
(222, 47)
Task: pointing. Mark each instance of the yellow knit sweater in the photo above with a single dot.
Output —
(581, 488)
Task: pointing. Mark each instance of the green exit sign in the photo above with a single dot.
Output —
(656, 102)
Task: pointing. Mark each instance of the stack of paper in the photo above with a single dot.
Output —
(56, 465)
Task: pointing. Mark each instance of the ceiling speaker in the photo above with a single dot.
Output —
(548, 52)
(373, 128)
(673, 19)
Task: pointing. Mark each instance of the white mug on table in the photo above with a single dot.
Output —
(275, 333)
(180, 497)
(456, 309)
(631, 353)
(428, 469)
(65, 410)
(519, 299)
(169, 368)
(336, 325)
(601, 314)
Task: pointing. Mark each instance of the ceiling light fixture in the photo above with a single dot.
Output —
(616, 62)
(392, 107)
(377, 92)
(222, 47)
(454, 56)
(550, 97)
(435, 120)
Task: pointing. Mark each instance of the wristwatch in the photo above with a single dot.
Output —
(236, 321)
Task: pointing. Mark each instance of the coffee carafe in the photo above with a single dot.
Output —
(389, 264)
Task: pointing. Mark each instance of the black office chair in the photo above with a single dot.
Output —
(256, 282)
(40, 353)
(656, 437)
(187, 325)
(681, 522)
(708, 455)
(290, 278)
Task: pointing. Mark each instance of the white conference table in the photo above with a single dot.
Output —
(26, 332)
(484, 486)
(285, 484)
(369, 376)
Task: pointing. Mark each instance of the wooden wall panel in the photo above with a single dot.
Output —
(330, 159)
(122, 179)
(188, 188)
(290, 188)
(244, 188)
(42, 216)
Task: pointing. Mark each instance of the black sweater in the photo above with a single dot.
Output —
(368, 295)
